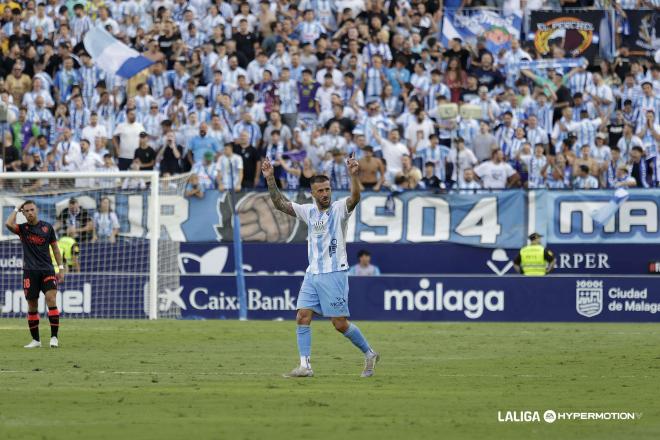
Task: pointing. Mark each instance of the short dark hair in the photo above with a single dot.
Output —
(29, 202)
(363, 252)
(318, 178)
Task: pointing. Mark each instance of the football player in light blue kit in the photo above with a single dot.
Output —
(324, 290)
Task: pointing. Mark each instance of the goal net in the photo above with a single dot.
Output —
(113, 220)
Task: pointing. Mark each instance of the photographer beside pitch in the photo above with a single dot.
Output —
(38, 272)
(324, 290)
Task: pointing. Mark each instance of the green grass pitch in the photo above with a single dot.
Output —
(222, 380)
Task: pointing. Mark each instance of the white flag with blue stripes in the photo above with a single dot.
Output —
(112, 55)
(604, 214)
(498, 29)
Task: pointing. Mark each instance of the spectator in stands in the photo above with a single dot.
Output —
(460, 158)
(584, 179)
(206, 171)
(145, 155)
(229, 166)
(127, 139)
(430, 181)
(468, 184)
(364, 266)
(194, 188)
(259, 67)
(410, 175)
(251, 161)
(484, 143)
(10, 155)
(638, 167)
(496, 173)
(170, 155)
(106, 224)
(337, 170)
(372, 170)
(76, 221)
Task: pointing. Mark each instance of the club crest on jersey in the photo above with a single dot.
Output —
(44, 228)
(332, 249)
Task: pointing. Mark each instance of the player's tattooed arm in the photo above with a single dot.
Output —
(281, 203)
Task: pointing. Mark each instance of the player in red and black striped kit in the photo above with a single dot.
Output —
(38, 273)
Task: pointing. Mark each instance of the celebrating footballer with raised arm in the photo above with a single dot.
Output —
(38, 272)
(324, 290)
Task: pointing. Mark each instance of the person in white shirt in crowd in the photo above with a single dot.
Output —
(94, 130)
(330, 69)
(69, 151)
(324, 94)
(256, 68)
(232, 73)
(496, 173)
(88, 160)
(332, 140)
(126, 139)
(461, 158)
(227, 166)
(393, 150)
(420, 123)
(29, 98)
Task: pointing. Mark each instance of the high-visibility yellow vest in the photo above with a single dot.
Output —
(68, 246)
(532, 260)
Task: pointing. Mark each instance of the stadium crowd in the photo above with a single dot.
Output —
(308, 83)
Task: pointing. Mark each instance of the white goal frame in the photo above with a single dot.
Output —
(153, 213)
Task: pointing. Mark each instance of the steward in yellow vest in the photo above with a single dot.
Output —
(534, 260)
(70, 252)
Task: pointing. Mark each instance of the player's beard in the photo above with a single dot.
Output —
(324, 202)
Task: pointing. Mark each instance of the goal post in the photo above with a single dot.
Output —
(118, 277)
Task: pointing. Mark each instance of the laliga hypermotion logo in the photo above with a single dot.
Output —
(570, 33)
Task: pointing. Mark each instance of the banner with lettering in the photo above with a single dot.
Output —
(578, 33)
(496, 28)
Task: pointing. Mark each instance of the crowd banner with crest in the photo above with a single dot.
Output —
(578, 33)
(498, 29)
